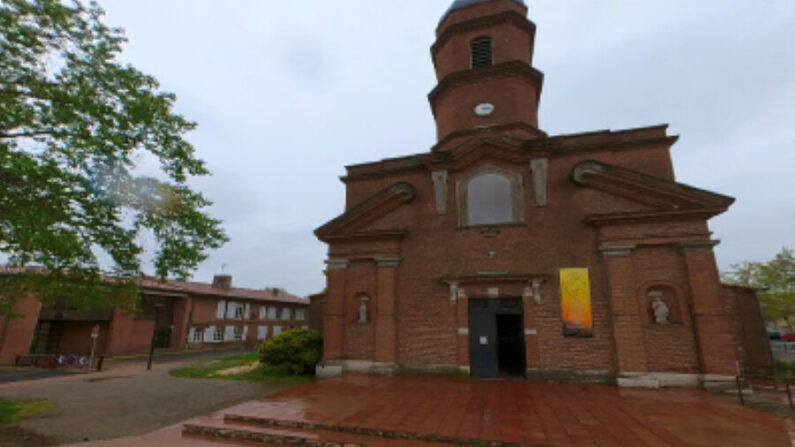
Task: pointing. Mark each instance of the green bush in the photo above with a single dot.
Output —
(295, 351)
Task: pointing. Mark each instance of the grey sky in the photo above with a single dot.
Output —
(288, 93)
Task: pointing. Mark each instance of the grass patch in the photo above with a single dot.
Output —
(12, 410)
(210, 370)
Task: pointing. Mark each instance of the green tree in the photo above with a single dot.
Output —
(75, 127)
(776, 281)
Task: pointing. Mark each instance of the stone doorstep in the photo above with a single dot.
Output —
(249, 421)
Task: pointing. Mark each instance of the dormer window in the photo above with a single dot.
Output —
(480, 52)
(490, 196)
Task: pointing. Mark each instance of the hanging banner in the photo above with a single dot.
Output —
(575, 291)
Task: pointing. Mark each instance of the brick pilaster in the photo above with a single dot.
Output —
(385, 320)
(627, 320)
(713, 332)
(334, 322)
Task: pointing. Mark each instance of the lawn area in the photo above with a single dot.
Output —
(12, 410)
(211, 369)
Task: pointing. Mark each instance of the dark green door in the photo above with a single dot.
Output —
(482, 339)
(496, 337)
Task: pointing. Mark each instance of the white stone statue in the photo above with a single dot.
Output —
(363, 312)
(661, 311)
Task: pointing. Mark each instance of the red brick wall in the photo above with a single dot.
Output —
(17, 333)
(127, 334)
(748, 327)
(76, 338)
(550, 238)
(317, 311)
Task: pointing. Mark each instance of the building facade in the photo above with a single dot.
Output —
(504, 250)
(176, 314)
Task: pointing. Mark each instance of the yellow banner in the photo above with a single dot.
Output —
(575, 291)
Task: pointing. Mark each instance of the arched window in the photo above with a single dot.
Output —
(480, 52)
(490, 196)
(489, 200)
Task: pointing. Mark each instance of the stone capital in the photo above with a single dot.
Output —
(338, 264)
(702, 245)
(388, 261)
(617, 250)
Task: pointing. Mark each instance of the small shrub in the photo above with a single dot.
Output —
(295, 351)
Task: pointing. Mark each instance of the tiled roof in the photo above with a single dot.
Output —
(188, 287)
(198, 288)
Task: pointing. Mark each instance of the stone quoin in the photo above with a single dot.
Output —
(504, 250)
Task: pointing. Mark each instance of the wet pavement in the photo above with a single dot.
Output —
(422, 411)
(123, 401)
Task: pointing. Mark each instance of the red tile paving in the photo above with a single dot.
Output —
(555, 415)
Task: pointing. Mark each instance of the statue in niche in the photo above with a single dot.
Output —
(363, 312)
(661, 311)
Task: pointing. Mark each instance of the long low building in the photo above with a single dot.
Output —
(178, 314)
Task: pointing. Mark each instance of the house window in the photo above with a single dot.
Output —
(300, 314)
(196, 335)
(218, 333)
(262, 332)
(238, 312)
(273, 313)
(287, 313)
(481, 53)
(237, 333)
(277, 330)
(263, 312)
(490, 196)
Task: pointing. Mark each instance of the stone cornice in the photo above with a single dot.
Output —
(512, 17)
(668, 199)
(600, 220)
(505, 69)
(349, 224)
(543, 146)
(493, 277)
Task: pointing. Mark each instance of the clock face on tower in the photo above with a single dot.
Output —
(484, 109)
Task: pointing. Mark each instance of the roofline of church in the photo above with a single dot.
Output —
(552, 146)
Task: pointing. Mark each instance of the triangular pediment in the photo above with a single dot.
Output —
(354, 221)
(662, 198)
(485, 148)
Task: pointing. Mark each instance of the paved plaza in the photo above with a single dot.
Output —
(435, 412)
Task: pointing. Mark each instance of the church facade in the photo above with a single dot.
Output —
(504, 250)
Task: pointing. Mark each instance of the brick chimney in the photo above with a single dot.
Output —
(222, 281)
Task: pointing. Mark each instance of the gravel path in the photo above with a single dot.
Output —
(124, 401)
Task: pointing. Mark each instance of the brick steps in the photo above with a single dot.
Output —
(401, 438)
(246, 434)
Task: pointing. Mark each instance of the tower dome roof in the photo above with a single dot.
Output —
(458, 4)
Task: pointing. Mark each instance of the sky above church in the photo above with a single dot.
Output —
(288, 93)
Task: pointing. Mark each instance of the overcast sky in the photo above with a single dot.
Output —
(288, 93)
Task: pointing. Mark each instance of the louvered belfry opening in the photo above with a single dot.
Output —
(480, 50)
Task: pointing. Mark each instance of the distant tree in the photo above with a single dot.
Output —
(776, 281)
(75, 126)
(274, 290)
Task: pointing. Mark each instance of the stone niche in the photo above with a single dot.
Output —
(669, 297)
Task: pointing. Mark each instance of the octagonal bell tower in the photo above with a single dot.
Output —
(483, 56)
